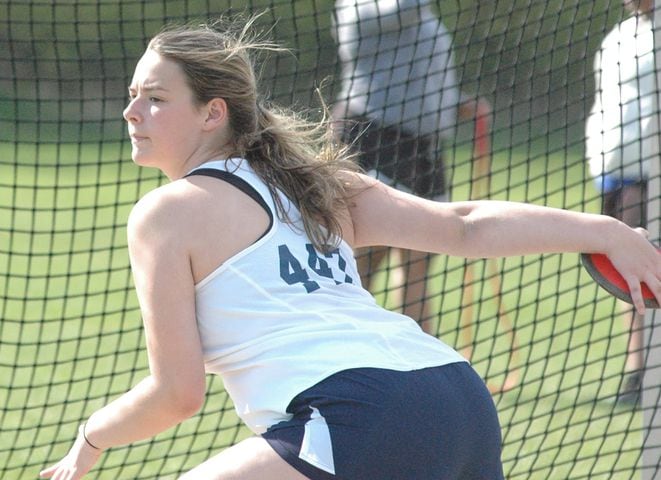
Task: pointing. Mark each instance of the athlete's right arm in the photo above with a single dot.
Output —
(381, 215)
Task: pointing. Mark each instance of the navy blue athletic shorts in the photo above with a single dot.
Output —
(436, 423)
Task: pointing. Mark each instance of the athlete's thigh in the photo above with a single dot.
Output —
(251, 459)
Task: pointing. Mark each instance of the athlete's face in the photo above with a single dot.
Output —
(164, 123)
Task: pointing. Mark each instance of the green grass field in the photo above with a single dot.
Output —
(70, 334)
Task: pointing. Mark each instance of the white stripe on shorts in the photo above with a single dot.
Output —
(316, 447)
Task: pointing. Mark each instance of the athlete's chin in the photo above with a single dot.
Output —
(141, 158)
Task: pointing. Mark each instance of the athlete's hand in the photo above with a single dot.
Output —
(80, 460)
(638, 261)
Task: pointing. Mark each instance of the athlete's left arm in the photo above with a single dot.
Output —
(175, 387)
(159, 246)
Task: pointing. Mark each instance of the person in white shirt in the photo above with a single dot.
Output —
(621, 141)
(243, 268)
(399, 100)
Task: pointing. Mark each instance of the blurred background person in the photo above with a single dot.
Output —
(621, 141)
(399, 99)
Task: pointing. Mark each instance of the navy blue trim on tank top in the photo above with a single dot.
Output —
(242, 185)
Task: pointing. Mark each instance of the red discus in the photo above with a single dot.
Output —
(602, 270)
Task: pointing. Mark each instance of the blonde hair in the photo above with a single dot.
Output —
(290, 153)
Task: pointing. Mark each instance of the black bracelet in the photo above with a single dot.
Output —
(82, 428)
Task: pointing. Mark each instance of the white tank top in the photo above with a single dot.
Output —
(279, 316)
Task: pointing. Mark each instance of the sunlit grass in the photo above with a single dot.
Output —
(71, 334)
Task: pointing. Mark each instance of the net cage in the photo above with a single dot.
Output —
(519, 83)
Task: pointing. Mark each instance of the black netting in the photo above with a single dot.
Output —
(546, 339)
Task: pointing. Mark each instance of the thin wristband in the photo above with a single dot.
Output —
(82, 428)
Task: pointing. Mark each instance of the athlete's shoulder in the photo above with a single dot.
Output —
(174, 207)
(166, 199)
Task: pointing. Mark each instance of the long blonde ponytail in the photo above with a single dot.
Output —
(290, 153)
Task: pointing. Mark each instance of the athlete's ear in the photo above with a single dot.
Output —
(217, 114)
